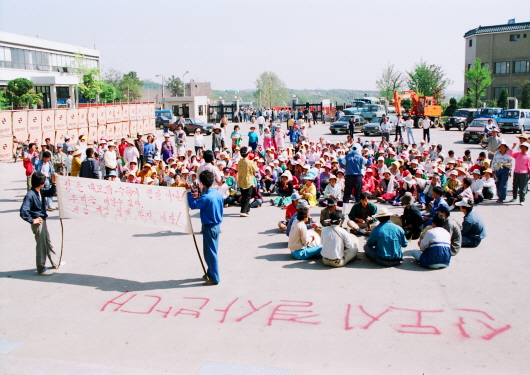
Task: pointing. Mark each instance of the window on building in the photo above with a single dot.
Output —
(497, 91)
(516, 92)
(468, 66)
(471, 42)
(486, 66)
(502, 67)
(521, 66)
(201, 110)
(514, 37)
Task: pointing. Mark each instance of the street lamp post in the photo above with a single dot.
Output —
(160, 75)
(183, 84)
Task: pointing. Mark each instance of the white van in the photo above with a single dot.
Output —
(515, 120)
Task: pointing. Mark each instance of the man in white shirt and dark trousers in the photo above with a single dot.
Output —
(409, 125)
(399, 126)
(385, 129)
(426, 122)
(338, 246)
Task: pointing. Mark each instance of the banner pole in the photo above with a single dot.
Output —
(192, 232)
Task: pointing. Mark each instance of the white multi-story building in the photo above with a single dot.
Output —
(49, 65)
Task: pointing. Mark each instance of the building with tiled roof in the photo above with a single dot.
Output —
(505, 49)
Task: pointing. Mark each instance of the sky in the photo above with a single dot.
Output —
(309, 44)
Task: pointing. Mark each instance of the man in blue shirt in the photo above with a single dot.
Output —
(385, 241)
(353, 162)
(211, 206)
(437, 202)
(33, 210)
(473, 229)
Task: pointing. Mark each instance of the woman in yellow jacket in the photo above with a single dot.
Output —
(309, 190)
(76, 163)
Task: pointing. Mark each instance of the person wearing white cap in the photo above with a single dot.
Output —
(385, 241)
(100, 152)
(502, 165)
(477, 185)
(111, 162)
(76, 162)
(473, 229)
(521, 171)
(494, 141)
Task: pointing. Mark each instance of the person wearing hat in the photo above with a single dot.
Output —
(331, 205)
(338, 246)
(303, 244)
(387, 188)
(332, 190)
(494, 141)
(211, 208)
(167, 148)
(76, 162)
(110, 158)
(82, 146)
(290, 210)
(285, 191)
(139, 144)
(489, 189)
(473, 229)
(411, 218)
(452, 187)
(502, 165)
(69, 158)
(435, 247)
(59, 160)
(112, 176)
(130, 153)
(246, 169)
(33, 211)
(66, 143)
(521, 171)
(217, 138)
(294, 134)
(385, 241)
(309, 190)
(89, 166)
(477, 187)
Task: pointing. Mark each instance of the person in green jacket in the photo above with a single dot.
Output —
(362, 215)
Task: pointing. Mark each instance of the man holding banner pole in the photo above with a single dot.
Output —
(211, 206)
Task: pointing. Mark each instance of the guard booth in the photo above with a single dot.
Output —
(215, 112)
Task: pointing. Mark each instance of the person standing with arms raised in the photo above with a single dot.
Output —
(211, 205)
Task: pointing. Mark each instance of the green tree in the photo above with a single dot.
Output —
(271, 90)
(525, 94)
(465, 102)
(503, 99)
(130, 87)
(451, 108)
(109, 94)
(175, 86)
(406, 103)
(21, 94)
(478, 80)
(91, 78)
(4, 101)
(428, 80)
(391, 80)
(113, 77)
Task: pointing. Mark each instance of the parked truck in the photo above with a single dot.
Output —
(421, 106)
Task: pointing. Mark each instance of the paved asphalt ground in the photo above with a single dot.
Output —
(130, 300)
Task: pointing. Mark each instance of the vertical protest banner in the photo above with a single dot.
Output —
(34, 122)
(117, 113)
(20, 124)
(6, 125)
(151, 110)
(60, 119)
(102, 115)
(59, 136)
(118, 131)
(71, 119)
(133, 129)
(48, 120)
(125, 129)
(159, 207)
(109, 113)
(139, 112)
(102, 131)
(74, 134)
(110, 131)
(145, 108)
(92, 135)
(132, 112)
(6, 148)
(82, 117)
(152, 122)
(125, 112)
(92, 116)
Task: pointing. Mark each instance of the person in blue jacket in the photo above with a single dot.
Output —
(353, 162)
(435, 247)
(33, 211)
(473, 229)
(45, 166)
(211, 205)
(294, 134)
(385, 241)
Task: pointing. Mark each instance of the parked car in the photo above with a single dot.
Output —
(372, 128)
(341, 125)
(475, 130)
(515, 120)
(192, 124)
(372, 111)
(162, 122)
(460, 119)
